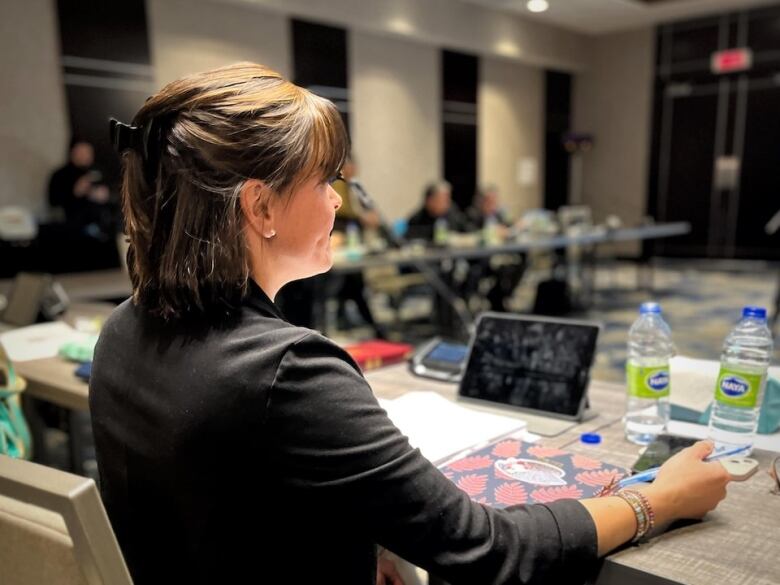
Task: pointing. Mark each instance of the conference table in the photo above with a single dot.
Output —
(114, 284)
(738, 543)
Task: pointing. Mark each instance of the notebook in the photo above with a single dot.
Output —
(508, 472)
(441, 429)
(377, 353)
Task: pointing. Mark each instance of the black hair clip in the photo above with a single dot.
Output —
(124, 137)
(145, 140)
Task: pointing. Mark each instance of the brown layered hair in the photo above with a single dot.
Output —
(183, 218)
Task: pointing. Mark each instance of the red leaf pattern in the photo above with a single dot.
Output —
(507, 448)
(473, 484)
(471, 463)
(598, 478)
(550, 494)
(583, 462)
(542, 451)
(510, 494)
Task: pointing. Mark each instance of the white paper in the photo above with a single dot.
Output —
(441, 428)
(693, 382)
(527, 171)
(38, 341)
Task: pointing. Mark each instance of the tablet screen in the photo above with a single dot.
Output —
(530, 362)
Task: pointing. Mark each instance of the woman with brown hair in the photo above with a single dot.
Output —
(234, 447)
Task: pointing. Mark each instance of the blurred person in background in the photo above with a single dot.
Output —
(437, 205)
(505, 271)
(487, 205)
(436, 218)
(78, 189)
(352, 286)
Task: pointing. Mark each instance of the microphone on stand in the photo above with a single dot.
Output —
(457, 304)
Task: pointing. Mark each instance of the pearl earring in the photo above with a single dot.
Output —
(270, 234)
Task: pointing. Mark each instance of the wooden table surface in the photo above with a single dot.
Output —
(53, 379)
(739, 543)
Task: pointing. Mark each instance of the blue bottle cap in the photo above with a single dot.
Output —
(590, 438)
(649, 308)
(754, 313)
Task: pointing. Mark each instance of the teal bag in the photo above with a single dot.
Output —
(14, 432)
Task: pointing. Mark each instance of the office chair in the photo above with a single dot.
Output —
(54, 529)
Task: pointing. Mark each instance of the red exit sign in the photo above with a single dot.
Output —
(731, 60)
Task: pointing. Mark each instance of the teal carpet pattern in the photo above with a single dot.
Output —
(700, 307)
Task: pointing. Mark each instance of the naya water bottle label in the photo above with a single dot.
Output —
(648, 382)
(735, 388)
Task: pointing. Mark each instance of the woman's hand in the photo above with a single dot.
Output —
(82, 186)
(687, 486)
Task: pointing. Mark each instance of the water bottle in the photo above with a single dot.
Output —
(490, 231)
(353, 235)
(739, 390)
(649, 349)
(441, 232)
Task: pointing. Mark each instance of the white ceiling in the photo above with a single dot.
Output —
(603, 16)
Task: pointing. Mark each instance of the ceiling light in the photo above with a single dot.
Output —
(537, 5)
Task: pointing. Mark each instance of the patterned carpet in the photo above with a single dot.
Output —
(700, 305)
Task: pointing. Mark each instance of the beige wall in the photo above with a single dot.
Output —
(34, 131)
(510, 144)
(187, 36)
(394, 68)
(395, 118)
(446, 23)
(613, 100)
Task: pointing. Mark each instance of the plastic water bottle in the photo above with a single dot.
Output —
(649, 349)
(490, 231)
(353, 235)
(739, 390)
(441, 232)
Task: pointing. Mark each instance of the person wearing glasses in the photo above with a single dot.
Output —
(234, 447)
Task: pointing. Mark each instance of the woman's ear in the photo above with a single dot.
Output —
(257, 207)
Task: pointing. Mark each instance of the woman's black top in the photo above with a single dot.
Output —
(253, 451)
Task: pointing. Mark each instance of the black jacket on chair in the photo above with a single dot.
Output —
(247, 450)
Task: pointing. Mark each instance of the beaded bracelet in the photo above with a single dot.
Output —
(645, 517)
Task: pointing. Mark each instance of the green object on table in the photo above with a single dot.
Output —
(79, 351)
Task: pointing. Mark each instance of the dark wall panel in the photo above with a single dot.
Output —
(557, 122)
(460, 81)
(701, 116)
(106, 68)
(759, 193)
(320, 62)
(101, 29)
(319, 54)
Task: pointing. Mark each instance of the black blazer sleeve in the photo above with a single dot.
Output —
(330, 437)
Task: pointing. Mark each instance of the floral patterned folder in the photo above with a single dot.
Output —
(509, 472)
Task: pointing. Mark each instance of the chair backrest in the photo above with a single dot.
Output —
(54, 529)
